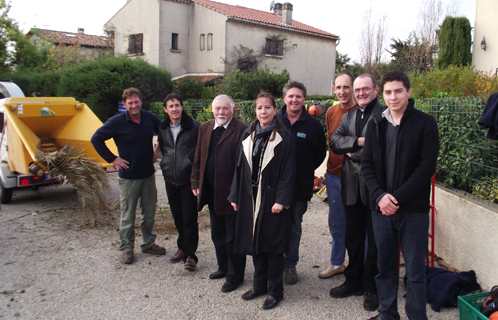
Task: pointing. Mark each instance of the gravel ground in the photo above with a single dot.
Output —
(54, 267)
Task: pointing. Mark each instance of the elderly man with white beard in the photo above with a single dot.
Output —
(212, 174)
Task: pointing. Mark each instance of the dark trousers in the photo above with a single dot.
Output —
(411, 232)
(361, 270)
(183, 205)
(223, 236)
(268, 273)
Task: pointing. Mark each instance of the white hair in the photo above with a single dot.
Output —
(223, 97)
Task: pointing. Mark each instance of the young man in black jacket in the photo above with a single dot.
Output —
(399, 159)
(177, 138)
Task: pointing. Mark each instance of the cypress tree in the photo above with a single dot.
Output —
(454, 42)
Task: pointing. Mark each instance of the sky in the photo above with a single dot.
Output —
(342, 18)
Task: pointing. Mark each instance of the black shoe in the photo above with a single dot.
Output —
(217, 275)
(251, 294)
(228, 286)
(344, 290)
(271, 302)
(371, 302)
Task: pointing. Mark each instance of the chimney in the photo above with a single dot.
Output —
(81, 30)
(287, 13)
(278, 9)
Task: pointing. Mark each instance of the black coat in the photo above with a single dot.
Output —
(177, 160)
(311, 148)
(258, 230)
(416, 151)
(489, 117)
(342, 141)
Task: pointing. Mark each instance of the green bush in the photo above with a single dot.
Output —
(452, 82)
(190, 88)
(100, 83)
(465, 154)
(246, 86)
(488, 189)
(43, 84)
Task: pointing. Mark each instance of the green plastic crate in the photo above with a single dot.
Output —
(469, 306)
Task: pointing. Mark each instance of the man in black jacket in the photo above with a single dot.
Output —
(399, 160)
(177, 139)
(311, 150)
(349, 139)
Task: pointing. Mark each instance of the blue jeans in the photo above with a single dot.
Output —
(337, 219)
(292, 257)
(411, 232)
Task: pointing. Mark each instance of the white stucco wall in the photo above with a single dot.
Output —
(205, 21)
(466, 235)
(137, 16)
(309, 59)
(174, 18)
(486, 24)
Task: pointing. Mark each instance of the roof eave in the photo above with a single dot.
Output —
(269, 25)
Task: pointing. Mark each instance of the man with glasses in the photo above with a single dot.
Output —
(348, 139)
(399, 182)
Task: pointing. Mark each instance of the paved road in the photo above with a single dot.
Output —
(52, 268)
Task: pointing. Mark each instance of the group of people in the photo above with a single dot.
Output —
(379, 170)
(257, 181)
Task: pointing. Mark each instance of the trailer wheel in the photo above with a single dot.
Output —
(5, 194)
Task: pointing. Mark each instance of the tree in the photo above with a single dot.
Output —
(454, 42)
(9, 32)
(413, 54)
(372, 42)
(343, 64)
(429, 17)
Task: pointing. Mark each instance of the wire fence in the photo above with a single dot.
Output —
(468, 161)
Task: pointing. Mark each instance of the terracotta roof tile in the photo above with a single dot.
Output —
(259, 16)
(70, 38)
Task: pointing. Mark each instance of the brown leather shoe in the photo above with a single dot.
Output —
(127, 257)
(177, 257)
(330, 272)
(189, 264)
(155, 250)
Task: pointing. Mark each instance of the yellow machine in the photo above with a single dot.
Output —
(45, 124)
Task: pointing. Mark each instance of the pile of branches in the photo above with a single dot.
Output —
(69, 165)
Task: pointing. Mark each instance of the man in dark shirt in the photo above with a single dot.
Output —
(132, 132)
(348, 139)
(311, 150)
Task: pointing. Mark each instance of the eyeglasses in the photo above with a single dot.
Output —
(364, 89)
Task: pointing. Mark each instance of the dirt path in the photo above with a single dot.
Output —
(52, 266)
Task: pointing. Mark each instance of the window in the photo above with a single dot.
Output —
(135, 42)
(247, 65)
(174, 41)
(202, 42)
(274, 46)
(210, 41)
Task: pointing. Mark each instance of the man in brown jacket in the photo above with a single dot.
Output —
(212, 174)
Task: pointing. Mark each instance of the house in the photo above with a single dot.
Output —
(485, 50)
(89, 44)
(204, 38)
